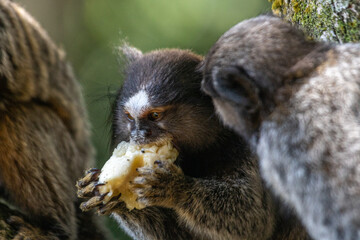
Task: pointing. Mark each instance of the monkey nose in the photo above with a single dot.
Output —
(141, 136)
(144, 132)
(147, 133)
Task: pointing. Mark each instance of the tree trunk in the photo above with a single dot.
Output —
(325, 20)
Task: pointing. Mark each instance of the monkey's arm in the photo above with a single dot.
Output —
(148, 223)
(233, 206)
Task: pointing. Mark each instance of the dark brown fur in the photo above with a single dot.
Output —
(44, 134)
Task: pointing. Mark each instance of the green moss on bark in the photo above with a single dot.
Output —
(326, 20)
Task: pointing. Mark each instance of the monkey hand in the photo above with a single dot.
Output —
(24, 230)
(88, 189)
(157, 185)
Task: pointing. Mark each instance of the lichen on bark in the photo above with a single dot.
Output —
(325, 20)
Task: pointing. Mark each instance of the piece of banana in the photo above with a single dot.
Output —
(120, 169)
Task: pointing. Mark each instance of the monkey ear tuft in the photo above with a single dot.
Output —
(127, 53)
(235, 85)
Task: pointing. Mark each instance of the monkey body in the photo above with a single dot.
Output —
(44, 134)
(214, 190)
(175, 219)
(322, 150)
(300, 116)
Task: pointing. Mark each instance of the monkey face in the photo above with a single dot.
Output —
(142, 122)
(161, 100)
(187, 125)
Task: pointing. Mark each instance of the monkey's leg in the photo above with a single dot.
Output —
(36, 157)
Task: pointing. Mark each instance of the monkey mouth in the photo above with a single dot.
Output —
(159, 141)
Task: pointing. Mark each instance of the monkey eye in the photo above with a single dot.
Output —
(154, 116)
(129, 117)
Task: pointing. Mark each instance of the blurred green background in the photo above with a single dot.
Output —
(89, 30)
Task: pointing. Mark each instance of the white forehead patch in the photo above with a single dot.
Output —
(138, 103)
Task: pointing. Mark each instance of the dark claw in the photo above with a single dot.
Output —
(92, 170)
(105, 209)
(92, 203)
(138, 180)
(89, 190)
(91, 175)
(102, 196)
(141, 200)
(139, 192)
(159, 163)
(80, 184)
(14, 220)
(111, 205)
(144, 171)
(96, 191)
(99, 184)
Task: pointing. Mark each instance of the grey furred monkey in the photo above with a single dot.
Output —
(297, 103)
(44, 135)
(214, 190)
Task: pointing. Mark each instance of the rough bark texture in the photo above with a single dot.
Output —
(325, 20)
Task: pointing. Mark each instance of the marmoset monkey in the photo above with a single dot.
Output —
(297, 102)
(44, 134)
(213, 190)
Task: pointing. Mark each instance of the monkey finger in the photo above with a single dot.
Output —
(20, 237)
(92, 170)
(143, 181)
(108, 207)
(166, 168)
(91, 175)
(15, 221)
(92, 203)
(142, 200)
(145, 171)
(140, 192)
(24, 230)
(89, 190)
(138, 181)
(159, 163)
(137, 187)
(149, 200)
